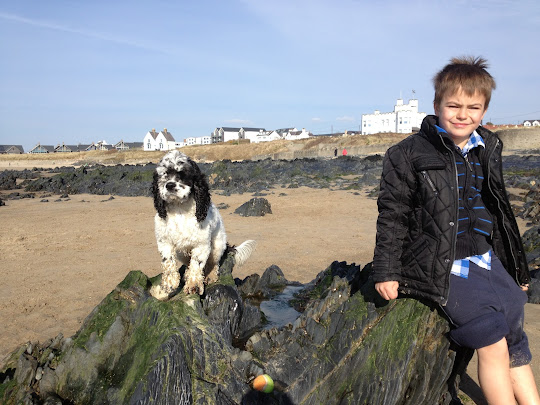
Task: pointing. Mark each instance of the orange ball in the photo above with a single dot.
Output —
(263, 383)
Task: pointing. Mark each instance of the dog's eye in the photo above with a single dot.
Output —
(181, 176)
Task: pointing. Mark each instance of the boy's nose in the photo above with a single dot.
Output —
(462, 113)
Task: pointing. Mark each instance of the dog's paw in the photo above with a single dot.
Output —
(194, 288)
(157, 292)
(211, 278)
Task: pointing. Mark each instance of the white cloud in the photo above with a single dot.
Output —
(346, 118)
(85, 33)
(316, 119)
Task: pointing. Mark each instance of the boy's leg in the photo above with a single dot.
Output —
(494, 373)
(524, 385)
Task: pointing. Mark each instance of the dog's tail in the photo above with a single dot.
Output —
(243, 251)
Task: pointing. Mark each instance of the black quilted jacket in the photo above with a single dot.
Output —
(418, 213)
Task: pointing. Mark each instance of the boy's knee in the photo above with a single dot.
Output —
(482, 331)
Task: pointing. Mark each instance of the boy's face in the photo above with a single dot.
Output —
(460, 114)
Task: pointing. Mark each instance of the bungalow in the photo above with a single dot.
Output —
(159, 141)
(42, 149)
(11, 149)
(128, 145)
(267, 136)
(531, 123)
(296, 134)
(71, 148)
(101, 145)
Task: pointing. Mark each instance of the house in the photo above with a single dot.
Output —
(531, 123)
(78, 148)
(11, 149)
(404, 119)
(351, 133)
(225, 134)
(101, 145)
(128, 145)
(250, 133)
(42, 149)
(200, 140)
(267, 136)
(159, 141)
(295, 134)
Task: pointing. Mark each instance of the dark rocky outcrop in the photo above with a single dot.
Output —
(256, 207)
(348, 346)
(226, 176)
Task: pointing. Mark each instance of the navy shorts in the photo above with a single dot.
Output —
(486, 307)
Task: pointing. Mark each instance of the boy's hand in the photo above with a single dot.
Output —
(524, 287)
(387, 289)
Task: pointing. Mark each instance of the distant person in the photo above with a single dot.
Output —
(344, 153)
(446, 232)
(335, 152)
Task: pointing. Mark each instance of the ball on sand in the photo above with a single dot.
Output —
(263, 383)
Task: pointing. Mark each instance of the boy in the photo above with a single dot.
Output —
(446, 231)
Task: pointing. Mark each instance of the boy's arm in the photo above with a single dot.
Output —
(395, 204)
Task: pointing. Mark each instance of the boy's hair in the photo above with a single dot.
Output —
(466, 72)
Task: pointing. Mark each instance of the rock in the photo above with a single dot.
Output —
(8, 180)
(272, 281)
(256, 207)
(348, 346)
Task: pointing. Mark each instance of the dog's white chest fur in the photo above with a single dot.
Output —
(182, 231)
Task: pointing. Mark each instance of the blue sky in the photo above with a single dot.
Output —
(83, 71)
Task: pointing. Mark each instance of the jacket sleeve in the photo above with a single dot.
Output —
(395, 205)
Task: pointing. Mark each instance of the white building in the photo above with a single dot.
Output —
(266, 136)
(295, 134)
(225, 134)
(159, 141)
(531, 123)
(250, 133)
(201, 140)
(404, 119)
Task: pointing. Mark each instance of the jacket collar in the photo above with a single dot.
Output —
(439, 138)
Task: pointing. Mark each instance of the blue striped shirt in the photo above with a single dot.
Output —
(461, 267)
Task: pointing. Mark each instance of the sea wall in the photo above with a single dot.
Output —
(520, 139)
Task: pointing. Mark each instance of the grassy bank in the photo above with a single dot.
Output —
(221, 151)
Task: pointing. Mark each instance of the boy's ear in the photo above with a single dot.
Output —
(436, 108)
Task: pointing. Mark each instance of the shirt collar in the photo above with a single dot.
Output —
(474, 140)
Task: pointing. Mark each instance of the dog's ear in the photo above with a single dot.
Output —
(201, 193)
(159, 203)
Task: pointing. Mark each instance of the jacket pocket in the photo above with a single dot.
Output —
(424, 165)
(419, 258)
(430, 182)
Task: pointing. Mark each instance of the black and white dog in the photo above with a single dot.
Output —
(189, 229)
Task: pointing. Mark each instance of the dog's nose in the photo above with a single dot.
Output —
(170, 186)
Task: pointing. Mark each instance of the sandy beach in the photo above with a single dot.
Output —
(59, 259)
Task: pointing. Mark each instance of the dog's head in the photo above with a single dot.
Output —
(177, 178)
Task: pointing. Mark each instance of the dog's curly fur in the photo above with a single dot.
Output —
(189, 229)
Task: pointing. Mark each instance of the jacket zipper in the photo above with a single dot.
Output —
(500, 210)
(456, 200)
(430, 182)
